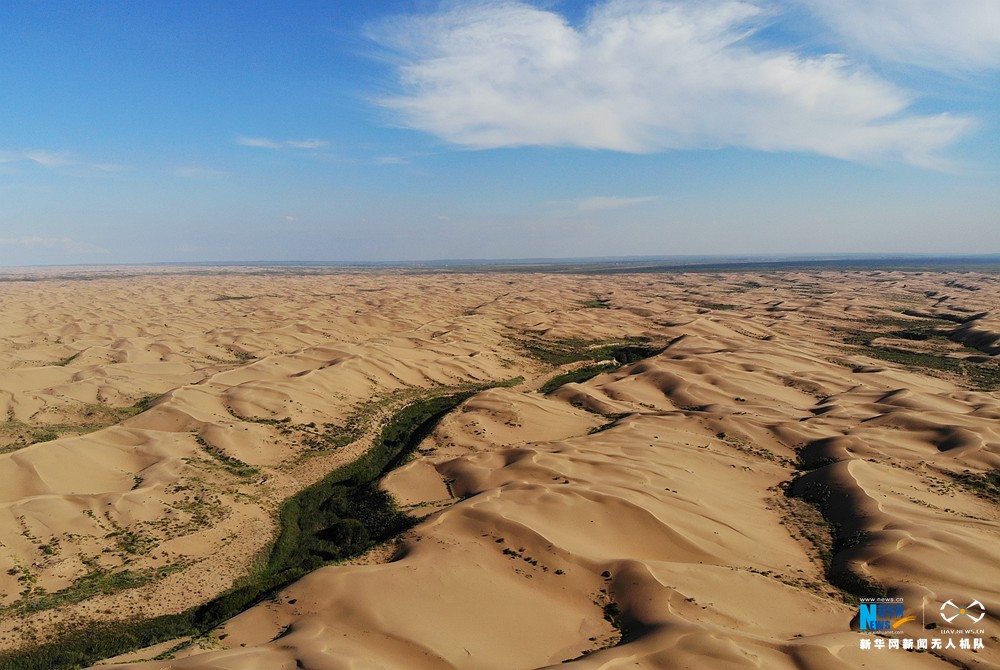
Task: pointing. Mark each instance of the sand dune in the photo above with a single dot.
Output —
(635, 519)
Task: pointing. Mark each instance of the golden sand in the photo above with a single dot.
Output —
(652, 496)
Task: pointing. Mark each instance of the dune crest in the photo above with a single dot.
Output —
(800, 439)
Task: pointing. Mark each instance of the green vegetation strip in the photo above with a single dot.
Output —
(563, 352)
(577, 376)
(835, 542)
(982, 376)
(341, 516)
(717, 306)
(66, 361)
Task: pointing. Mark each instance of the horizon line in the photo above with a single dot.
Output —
(677, 260)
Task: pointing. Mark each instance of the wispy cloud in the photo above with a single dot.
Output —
(55, 159)
(645, 76)
(199, 173)
(257, 142)
(265, 143)
(598, 203)
(307, 144)
(938, 35)
(63, 244)
(41, 157)
(49, 159)
(109, 167)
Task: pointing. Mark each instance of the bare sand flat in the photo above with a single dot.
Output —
(800, 439)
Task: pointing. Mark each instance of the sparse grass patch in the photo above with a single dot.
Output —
(95, 582)
(15, 434)
(66, 361)
(199, 506)
(130, 542)
(239, 356)
(985, 485)
(613, 615)
(984, 376)
(747, 447)
(807, 519)
(98, 414)
(331, 436)
(232, 465)
(18, 435)
(338, 517)
(826, 499)
(612, 421)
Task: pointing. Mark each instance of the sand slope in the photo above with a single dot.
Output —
(652, 496)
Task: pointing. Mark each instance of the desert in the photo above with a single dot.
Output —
(500, 335)
(623, 469)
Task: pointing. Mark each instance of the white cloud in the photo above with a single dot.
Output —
(644, 76)
(957, 35)
(307, 144)
(265, 143)
(63, 244)
(49, 159)
(257, 142)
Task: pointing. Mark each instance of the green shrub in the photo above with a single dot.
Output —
(576, 376)
(340, 516)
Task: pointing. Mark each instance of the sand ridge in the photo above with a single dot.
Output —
(651, 497)
(152, 480)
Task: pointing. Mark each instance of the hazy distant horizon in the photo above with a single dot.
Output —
(690, 261)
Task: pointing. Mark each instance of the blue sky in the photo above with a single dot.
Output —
(181, 131)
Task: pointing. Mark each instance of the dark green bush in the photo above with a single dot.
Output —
(340, 516)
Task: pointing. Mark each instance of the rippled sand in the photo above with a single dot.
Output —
(653, 495)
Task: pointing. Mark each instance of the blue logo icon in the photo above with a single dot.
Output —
(882, 615)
